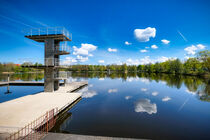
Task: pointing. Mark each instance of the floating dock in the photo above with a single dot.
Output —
(16, 113)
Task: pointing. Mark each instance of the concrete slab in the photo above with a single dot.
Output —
(60, 136)
(19, 112)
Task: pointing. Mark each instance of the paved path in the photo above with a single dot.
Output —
(61, 136)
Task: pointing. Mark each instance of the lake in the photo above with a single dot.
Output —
(151, 106)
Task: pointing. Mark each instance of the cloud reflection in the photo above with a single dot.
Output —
(112, 90)
(88, 93)
(155, 93)
(144, 89)
(165, 99)
(128, 97)
(144, 105)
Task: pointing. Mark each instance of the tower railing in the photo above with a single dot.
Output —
(47, 31)
(62, 48)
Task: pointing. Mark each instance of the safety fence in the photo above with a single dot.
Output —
(37, 128)
(47, 31)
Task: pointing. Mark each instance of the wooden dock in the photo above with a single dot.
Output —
(16, 113)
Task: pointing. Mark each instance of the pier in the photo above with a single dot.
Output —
(18, 112)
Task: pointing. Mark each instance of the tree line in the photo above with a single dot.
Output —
(192, 66)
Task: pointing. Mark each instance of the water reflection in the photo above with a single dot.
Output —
(112, 90)
(194, 84)
(87, 93)
(165, 99)
(155, 93)
(144, 105)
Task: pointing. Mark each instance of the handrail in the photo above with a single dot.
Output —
(47, 31)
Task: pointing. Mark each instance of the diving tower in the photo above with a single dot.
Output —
(52, 37)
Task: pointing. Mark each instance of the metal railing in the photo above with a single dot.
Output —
(37, 128)
(47, 31)
(62, 48)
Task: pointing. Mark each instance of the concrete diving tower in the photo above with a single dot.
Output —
(52, 38)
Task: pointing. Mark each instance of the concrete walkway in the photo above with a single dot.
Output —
(19, 112)
(61, 136)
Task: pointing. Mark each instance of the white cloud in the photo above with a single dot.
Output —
(83, 52)
(128, 97)
(112, 90)
(147, 60)
(112, 50)
(127, 43)
(144, 105)
(165, 99)
(101, 61)
(162, 59)
(143, 51)
(132, 62)
(146, 47)
(82, 58)
(154, 46)
(68, 61)
(143, 35)
(191, 50)
(84, 49)
(200, 46)
(164, 41)
(155, 93)
(144, 89)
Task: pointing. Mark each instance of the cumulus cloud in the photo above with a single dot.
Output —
(144, 89)
(84, 49)
(128, 97)
(112, 90)
(148, 60)
(165, 99)
(82, 58)
(127, 43)
(101, 61)
(132, 62)
(68, 61)
(191, 50)
(143, 51)
(83, 52)
(112, 50)
(154, 46)
(155, 93)
(144, 105)
(164, 41)
(144, 35)
(200, 46)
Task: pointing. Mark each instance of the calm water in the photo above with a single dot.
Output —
(140, 106)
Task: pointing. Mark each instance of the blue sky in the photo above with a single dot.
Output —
(100, 28)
